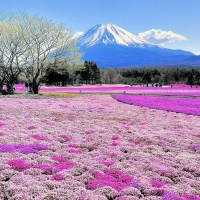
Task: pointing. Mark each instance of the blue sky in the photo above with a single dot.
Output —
(172, 23)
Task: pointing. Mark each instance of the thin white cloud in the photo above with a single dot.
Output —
(160, 37)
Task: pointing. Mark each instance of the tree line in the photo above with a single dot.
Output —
(151, 75)
(89, 73)
(86, 73)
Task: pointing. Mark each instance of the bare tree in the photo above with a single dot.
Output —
(112, 75)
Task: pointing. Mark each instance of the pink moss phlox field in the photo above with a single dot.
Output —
(92, 147)
(183, 105)
(177, 89)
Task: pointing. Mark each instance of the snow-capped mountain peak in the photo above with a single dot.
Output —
(110, 34)
(111, 46)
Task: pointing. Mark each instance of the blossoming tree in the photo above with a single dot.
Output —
(12, 51)
(34, 42)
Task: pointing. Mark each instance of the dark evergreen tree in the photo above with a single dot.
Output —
(197, 78)
(91, 73)
(147, 78)
(191, 79)
(166, 78)
(175, 75)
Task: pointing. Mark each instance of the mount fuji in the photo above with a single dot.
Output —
(111, 34)
(111, 46)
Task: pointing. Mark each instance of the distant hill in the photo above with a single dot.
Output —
(111, 46)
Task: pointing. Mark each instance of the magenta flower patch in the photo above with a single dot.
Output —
(2, 124)
(19, 165)
(46, 122)
(46, 169)
(31, 127)
(157, 184)
(57, 177)
(171, 196)
(73, 145)
(76, 151)
(191, 197)
(66, 138)
(22, 148)
(115, 137)
(40, 137)
(113, 178)
(175, 104)
(107, 163)
(1, 133)
(194, 147)
(196, 135)
(115, 143)
(60, 159)
(62, 164)
(89, 132)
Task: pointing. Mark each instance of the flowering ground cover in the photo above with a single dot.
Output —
(176, 104)
(177, 89)
(91, 147)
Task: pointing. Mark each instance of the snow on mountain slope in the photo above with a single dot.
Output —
(111, 34)
(111, 46)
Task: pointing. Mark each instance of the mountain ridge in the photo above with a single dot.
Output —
(111, 46)
(112, 34)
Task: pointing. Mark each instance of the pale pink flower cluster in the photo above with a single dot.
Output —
(94, 147)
